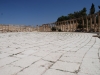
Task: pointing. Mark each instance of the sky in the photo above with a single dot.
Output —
(38, 12)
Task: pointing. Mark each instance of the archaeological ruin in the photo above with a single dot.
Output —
(90, 23)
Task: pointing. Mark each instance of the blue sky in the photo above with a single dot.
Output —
(37, 12)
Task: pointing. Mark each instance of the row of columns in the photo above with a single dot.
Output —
(89, 23)
(64, 26)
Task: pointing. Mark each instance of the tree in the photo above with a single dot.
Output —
(74, 15)
(92, 9)
(62, 18)
(53, 28)
(83, 12)
(99, 8)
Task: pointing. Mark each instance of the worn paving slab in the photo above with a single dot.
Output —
(49, 53)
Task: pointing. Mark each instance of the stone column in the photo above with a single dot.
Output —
(25, 28)
(83, 23)
(75, 25)
(94, 23)
(99, 22)
(66, 26)
(61, 26)
(7, 28)
(12, 28)
(20, 28)
(47, 27)
(56, 26)
(90, 23)
(2, 29)
(43, 28)
(86, 24)
(50, 27)
(73, 28)
(70, 26)
(39, 28)
(32, 28)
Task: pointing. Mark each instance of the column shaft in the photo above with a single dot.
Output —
(87, 24)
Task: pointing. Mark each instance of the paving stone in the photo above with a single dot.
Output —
(37, 68)
(29, 52)
(71, 59)
(80, 73)
(46, 53)
(66, 66)
(90, 66)
(20, 55)
(27, 61)
(3, 55)
(15, 51)
(41, 53)
(69, 54)
(53, 57)
(57, 72)
(9, 70)
(7, 60)
(92, 54)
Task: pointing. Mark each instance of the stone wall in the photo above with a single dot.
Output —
(15, 28)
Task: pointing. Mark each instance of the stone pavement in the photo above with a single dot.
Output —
(49, 53)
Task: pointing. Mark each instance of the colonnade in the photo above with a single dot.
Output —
(90, 23)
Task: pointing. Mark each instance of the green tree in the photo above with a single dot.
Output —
(92, 9)
(83, 12)
(53, 28)
(74, 15)
(62, 18)
(99, 8)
